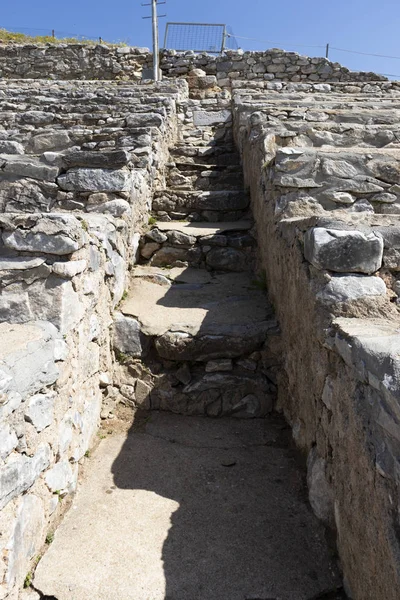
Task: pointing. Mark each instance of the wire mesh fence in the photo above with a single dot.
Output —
(198, 37)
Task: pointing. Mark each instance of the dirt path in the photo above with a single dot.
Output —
(187, 508)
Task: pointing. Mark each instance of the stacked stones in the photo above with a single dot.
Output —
(72, 61)
(270, 65)
(78, 163)
(322, 162)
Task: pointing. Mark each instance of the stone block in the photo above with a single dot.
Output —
(203, 118)
(39, 410)
(343, 251)
(348, 288)
(319, 490)
(96, 180)
(25, 541)
(20, 472)
(52, 234)
(27, 361)
(126, 335)
(112, 159)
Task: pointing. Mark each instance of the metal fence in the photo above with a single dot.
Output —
(198, 37)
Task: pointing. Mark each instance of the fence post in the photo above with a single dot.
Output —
(327, 51)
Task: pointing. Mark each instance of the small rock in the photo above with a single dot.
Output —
(148, 249)
(156, 236)
(225, 364)
(183, 374)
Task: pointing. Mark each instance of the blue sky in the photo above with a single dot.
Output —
(361, 25)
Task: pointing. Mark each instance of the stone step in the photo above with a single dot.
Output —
(211, 155)
(222, 205)
(217, 247)
(205, 179)
(208, 333)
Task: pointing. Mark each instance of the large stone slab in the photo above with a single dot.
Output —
(348, 288)
(112, 159)
(52, 234)
(343, 251)
(27, 357)
(95, 180)
(204, 118)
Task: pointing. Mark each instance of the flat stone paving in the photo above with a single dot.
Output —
(187, 508)
(224, 303)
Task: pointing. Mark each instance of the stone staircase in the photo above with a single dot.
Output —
(208, 332)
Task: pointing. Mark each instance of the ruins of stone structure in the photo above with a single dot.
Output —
(265, 279)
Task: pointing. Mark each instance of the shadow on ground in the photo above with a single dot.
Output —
(242, 528)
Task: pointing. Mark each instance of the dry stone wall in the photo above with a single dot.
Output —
(82, 61)
(78, 166)
(72, 61)
(270, 65)
(323, 172)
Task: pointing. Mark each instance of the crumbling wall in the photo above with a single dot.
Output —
(78, 166)
(322, 178)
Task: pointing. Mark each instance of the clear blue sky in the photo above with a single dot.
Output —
(363, 25)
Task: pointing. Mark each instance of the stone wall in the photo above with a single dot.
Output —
(323, 177)
(270, 65)
(78, 167)
(82, 61)
(72, 61)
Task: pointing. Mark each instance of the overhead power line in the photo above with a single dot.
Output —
(365, 53)
(239, 37)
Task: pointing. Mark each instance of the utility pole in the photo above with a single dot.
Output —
(155, 38)
(154, 18)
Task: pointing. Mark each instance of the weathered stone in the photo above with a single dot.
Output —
(117, 208)
(20, 472)
(339, 168)
(183, 374)
(224, 364)
(25, 541)
(69, 269)
(55, 234)
(40, 410)
(143, 394)
(336, 250)
(156, 236)
(183, 346)
(27, 362)
(8, 440)
(52, 140)
(37, 117)
(28, 166)
(148, 250)
(179, 238)
(126, 335)
(340, 197)
(319, 490)
(59, 477)
(10, 147)
(96, 180)
(347, 288)
(227, 259)
(112, 159)
(168, 255)
(144, 120)
(203, 118)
